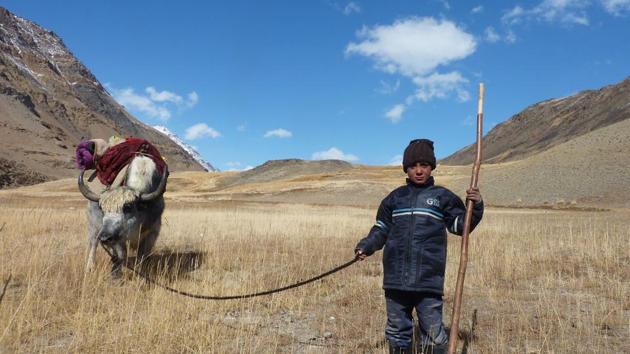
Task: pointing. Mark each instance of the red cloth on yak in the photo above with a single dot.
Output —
(118, 156)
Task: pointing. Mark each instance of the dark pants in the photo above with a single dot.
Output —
(399, 329)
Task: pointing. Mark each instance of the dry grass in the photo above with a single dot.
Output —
(540, 282)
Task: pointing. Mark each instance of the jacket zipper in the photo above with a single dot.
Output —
(410, 237)
(420, 254)
(419, 268)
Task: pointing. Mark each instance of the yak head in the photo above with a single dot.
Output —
(125, 207)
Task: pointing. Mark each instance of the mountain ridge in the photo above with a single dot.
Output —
(50, 101)
(548, 123)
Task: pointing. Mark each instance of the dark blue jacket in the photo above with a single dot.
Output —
(411, 223)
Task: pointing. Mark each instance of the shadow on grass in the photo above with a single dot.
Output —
(169, 264)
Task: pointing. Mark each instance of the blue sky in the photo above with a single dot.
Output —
(249, 81)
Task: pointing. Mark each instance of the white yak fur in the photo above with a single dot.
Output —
(139, 175)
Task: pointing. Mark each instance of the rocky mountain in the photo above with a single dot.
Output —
(550, 123)
(189, 149)
(588, 171)
(49, 101)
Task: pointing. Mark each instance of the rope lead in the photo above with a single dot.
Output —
(237, 297)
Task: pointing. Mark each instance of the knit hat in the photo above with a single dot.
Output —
(419, 150)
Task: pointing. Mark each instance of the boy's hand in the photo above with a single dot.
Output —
(359, 254)
(474, 195)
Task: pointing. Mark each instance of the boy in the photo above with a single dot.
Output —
(411, 223)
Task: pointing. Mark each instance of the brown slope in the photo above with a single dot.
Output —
(278, 170)
(550, 123)
(592, 170)
(49, 101)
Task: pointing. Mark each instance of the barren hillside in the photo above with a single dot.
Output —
(591, 170)
(550, 123)
(49, 101)
(286, 169)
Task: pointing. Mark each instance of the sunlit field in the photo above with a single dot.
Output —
(538, 282)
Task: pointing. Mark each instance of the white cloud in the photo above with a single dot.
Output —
(154, 103)
(434, 86)
(237, 166)
(167, 96)
(241, 127)
(396, 161)
(143, 104)
(616, 7)
(278, 133)
(163, 96)
(413, 46)
(491, 35)
(396, 112)
(441, 86)
(193, 98)
(201, 130)
(510, 37)
(565, 11)
(477, 9)
(333, 154)
(351, 8)
(446, 4)
(387, 89)
(570, 12)
(463, 95)
(513, 16)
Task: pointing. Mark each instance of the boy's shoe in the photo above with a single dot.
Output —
(399, 350)
(435, 349)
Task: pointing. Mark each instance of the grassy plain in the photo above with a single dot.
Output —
(539, 281)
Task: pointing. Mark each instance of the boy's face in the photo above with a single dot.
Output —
(419, 173)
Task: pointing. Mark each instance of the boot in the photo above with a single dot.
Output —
(435, 349)
(399, 350)
(440, 349)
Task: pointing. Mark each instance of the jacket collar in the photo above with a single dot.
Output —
(429, 183)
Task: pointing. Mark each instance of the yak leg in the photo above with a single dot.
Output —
(119, 256)
(147, 241)
(95, 222)
(92, 243)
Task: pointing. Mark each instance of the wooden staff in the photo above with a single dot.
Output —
(463, 259)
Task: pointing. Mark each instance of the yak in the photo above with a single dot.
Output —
(130, 213)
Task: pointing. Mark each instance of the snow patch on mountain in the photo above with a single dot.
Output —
(189, 149)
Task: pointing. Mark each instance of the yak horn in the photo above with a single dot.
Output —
(85, 190)
(160, 189)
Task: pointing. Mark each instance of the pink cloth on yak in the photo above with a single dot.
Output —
(85, 155)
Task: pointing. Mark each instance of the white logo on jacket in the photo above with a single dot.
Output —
(433, 202)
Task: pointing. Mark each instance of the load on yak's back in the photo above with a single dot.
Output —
(129, 210)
